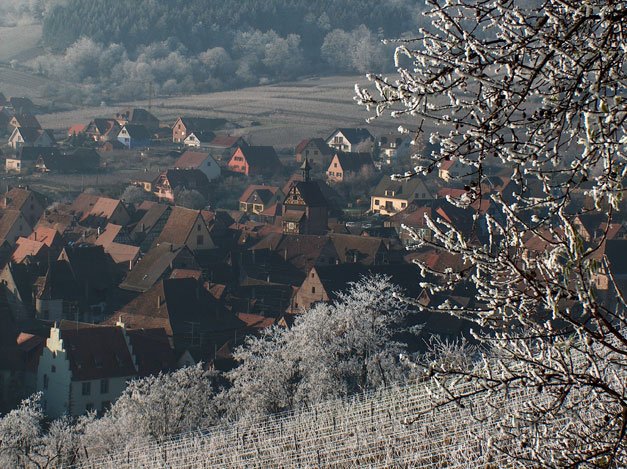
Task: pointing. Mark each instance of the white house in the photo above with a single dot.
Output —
(351, 140)
(202, 161)
(199, 139)
(86, 367)
(30, 136)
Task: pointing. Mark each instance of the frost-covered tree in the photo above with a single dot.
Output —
(136, 195)
(157, 407)
(539, 87)
(333, 350)
(24, 443)
(190, 198)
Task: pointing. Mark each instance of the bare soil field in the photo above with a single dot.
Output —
(279, 114)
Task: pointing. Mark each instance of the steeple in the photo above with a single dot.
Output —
(305, 168)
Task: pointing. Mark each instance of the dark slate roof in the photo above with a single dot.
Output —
(616, 252)
(354, 135)
(336, 278)
(137, 132)
(181, 307)
(32, 153)
(203, 136)
(302, 251)
(27, 120)
(319, 143)
(355, 248)
(150, 218)
(311, 193)
(261, 157)
(152, 350)
(194, 124)
(403, 188)
(153, 266)
(187, 179)
(354, 162)
(29, 134)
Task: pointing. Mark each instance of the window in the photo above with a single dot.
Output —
(197, 227)
(86, 389)
(338, 175)
(377, 202)
(335, 165)
(312, 275)
(403, 205)
(200, 239)
(53, 369)
(104, 386)
(331, 173)
(45, 381)
(313, 289)
(315, 152)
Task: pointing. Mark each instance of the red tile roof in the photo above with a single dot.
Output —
(46, 235)
(26, 247)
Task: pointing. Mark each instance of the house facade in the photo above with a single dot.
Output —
(103, 130)
(201, 161)
(315, 150)
(134, 136)
(346, 165)
(86, 367)
(351, 140)
(168, 183)
(199, 139)
(254, 160)
(305, 209)
(257, 198)
(392, 196)
(30, 136)
(392, 147)
(186, 125)
(26, 158)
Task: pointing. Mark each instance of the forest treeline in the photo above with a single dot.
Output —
(178, 46)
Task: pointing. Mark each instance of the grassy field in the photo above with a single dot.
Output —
(18, 42)
(279, 114)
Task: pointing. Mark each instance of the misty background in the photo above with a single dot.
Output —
(114, 49)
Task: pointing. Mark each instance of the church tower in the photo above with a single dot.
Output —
(305, 209)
